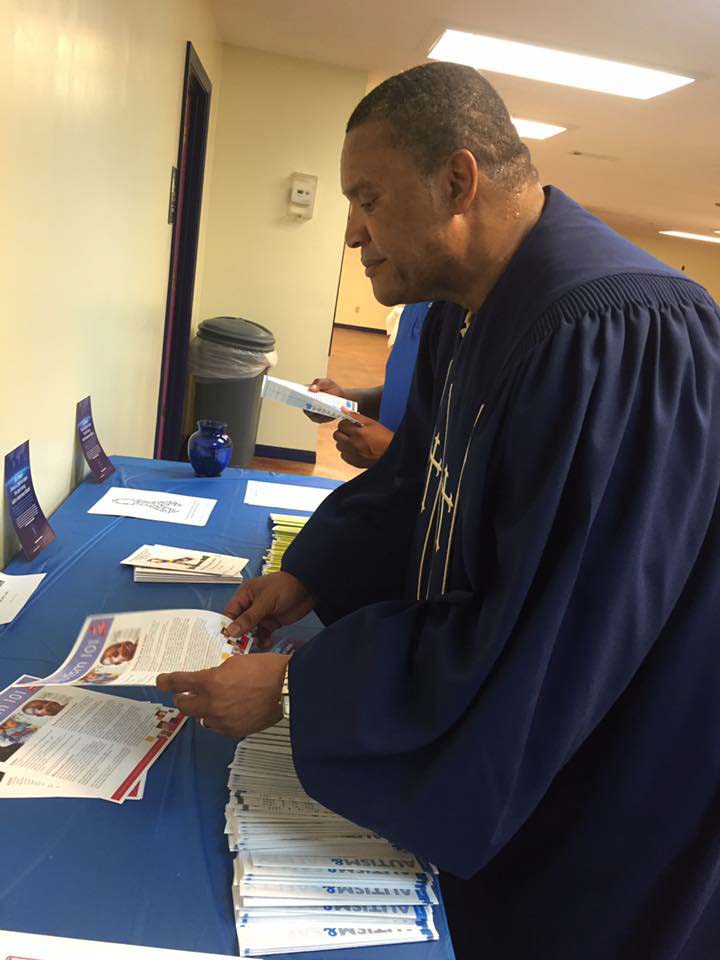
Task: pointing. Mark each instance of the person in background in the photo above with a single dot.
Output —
(381, 408)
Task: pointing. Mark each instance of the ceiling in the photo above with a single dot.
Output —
(651, 164)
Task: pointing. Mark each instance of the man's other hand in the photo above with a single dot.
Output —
(267, 603)
(323, 385)
(361, 446)
(236, 699)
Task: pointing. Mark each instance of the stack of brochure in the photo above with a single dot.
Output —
(69, 742)
(307, 879)
(285, 527)
(160, 564)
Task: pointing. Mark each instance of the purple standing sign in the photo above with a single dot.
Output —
(96, 457)
(31, 526)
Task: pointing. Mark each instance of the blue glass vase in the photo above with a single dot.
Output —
(210, 448)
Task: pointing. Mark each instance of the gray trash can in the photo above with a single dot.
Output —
(228, 358)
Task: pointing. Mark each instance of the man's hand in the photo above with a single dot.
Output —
(267, 603)
(319, 385)
(361, 446)
(236, 699)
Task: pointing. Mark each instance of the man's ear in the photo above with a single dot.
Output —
(462, 177)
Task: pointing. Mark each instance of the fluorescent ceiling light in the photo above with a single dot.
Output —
(554, 66)
(690, 236)
(534, 130)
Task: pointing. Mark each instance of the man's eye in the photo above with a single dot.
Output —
(368, 204)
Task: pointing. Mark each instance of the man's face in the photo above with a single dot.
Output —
(42, 708)
(397, 217)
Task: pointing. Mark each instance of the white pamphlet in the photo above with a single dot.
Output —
(154, 505)
(297, 395)
(157, 563)
(131, 649)
(92, 744)
(287, 495)
(20, 946)
(15, 591)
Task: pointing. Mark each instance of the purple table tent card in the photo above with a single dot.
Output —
(31, 526)
(96, 457)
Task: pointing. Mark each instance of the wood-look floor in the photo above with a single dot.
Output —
(357, 359)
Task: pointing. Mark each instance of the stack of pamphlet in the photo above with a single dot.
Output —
(160, 564)
(304, 877)
(285, 527)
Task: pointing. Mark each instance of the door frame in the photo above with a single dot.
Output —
(192, 148)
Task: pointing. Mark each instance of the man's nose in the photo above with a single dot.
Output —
(356, 232)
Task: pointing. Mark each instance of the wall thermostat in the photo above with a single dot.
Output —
(303, 187)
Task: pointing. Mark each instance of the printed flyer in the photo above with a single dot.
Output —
(131, 649)
(30, 523)
(92, 450)
(92, 744)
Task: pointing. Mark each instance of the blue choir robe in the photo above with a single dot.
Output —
(520, 674)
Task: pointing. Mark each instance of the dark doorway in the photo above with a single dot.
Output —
(169, 439)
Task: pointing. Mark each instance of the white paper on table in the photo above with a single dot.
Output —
(79, 739)
(15, 785)
(131, 649)
(154, 505)
(261, 494)
(15, 591)
(138, 791)
(20, 946)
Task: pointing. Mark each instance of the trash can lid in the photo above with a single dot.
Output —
(237, 332)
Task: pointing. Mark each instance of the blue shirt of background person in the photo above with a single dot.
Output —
(382, 408)
(401, 365)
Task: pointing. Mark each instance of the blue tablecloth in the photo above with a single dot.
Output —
(155, 872)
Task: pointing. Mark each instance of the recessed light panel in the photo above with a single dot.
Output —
(554, 66)
(690, 236)
(534, 130)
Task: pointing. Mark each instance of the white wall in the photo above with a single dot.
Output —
(89, 114)
(279, 115)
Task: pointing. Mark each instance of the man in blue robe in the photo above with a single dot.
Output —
(519, 676)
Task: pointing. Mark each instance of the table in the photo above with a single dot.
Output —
(155, 872)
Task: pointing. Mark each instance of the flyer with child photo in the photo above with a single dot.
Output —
(131, 649)
(78, 741)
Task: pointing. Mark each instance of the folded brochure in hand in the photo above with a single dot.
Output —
(296, 395)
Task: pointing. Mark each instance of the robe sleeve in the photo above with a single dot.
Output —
(441, 724)
(354, 549)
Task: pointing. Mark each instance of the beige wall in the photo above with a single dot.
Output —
(356, 304)
(89, 114)
(701, 261)
(279, 115)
